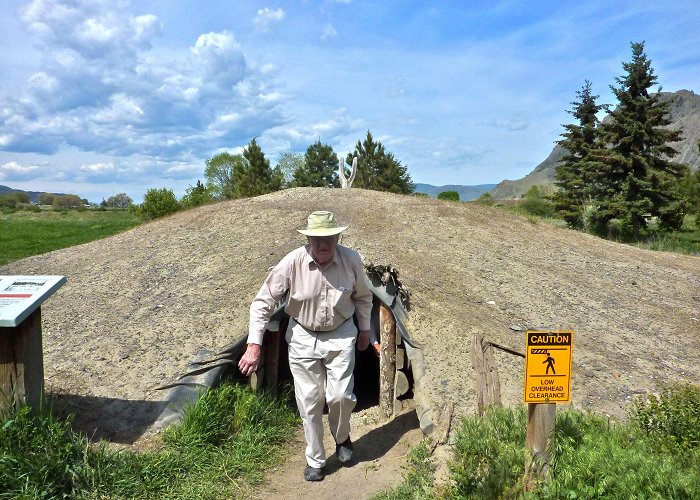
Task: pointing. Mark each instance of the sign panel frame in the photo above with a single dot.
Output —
(20, 296)
(548, 366)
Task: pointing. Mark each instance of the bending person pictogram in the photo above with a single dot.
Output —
(550, 364)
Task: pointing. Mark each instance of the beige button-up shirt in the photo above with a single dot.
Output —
(319, 299)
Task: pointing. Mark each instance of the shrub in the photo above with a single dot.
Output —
(31, 208)
(489, 454)
(673, 417)
(158, 203)
(537, 206)
(448, 196)
(485, 199)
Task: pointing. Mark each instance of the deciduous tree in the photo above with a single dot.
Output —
(197, 195)
(121, 200)
(159, 202)
(219, 174)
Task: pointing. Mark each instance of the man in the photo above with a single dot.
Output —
(325, 284)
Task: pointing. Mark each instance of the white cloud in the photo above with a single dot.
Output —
(13, 171)
(266, 17)
(101, 89)
(328, 32)
(510, 125)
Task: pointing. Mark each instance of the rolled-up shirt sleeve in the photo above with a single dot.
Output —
(362, 297)
(272, 291)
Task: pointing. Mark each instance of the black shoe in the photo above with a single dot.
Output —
(314, 474)
(344, 451)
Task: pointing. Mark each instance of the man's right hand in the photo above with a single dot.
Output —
(250, 360)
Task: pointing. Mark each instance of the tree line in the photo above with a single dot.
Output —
(231, 176)
(619, 169)
(20, 199)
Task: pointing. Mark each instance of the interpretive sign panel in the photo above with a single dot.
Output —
(22, 295)
(548, 366)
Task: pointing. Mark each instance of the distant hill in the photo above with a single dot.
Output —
(684, 113)
(466, 193)
(33, 195)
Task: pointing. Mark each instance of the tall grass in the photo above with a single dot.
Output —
(26, 233)
(655, 454)
(226, 442)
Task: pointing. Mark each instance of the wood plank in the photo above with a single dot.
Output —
(22, 364)
(401, 385)
(400, 358)
(387, 360)
(272, 354)
(257, 378)
(8, 372)
(488, 386)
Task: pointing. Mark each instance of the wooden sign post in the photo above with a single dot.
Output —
(21, 354)
(547, 382)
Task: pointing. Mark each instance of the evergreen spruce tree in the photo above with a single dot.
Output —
(392, 176)
(573, 174)
(254, 176)
(379, 170)
(319, 167)
(638, 179)
(368, 152)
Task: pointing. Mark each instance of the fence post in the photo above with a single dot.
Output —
(488, 386)
(540, 433)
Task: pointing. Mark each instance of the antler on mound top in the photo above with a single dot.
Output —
(346, 182)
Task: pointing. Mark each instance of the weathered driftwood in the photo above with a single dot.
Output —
(387, 360)
(442, 427)
(22, 364)
(488, 387)
(346, 182)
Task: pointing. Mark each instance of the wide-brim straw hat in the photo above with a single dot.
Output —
(322, 223)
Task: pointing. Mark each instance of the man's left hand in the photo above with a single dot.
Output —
(363, 340)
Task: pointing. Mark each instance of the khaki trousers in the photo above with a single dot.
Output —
(322, 365)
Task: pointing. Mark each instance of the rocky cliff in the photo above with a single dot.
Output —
(684, 114)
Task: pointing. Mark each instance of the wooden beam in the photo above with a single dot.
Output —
(387, 360)
(400, 358)
(272, 356)
(22, 364)
(488, 386)
(540, 432)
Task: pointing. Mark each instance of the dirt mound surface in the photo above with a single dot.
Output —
(138, 306)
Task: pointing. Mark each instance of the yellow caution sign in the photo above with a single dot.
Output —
(548, 366)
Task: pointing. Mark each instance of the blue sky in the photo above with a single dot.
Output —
(99, 97)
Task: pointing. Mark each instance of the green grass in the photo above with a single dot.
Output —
(225, 444)
(686, 240)
(26, 233)
(654, 454)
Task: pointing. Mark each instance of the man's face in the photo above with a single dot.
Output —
(323, 248)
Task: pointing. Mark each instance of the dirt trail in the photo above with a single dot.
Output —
(139, 306)
(381, 448)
